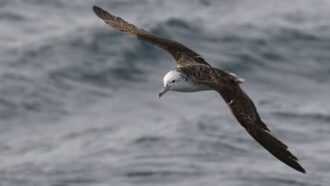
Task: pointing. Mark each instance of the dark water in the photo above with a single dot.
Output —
(79, 105)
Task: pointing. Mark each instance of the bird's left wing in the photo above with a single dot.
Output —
(246, 113)
(182, 54)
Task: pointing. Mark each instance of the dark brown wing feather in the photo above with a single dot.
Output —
(182, 54)
(246, 113)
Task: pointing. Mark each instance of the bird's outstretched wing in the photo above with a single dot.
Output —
(246, 113)
(182, 54)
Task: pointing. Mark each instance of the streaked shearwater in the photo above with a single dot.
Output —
(193, 73)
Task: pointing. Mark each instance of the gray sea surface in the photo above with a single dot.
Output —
(79, 101)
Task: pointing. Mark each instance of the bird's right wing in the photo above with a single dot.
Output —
(182, 54)
(246, 114)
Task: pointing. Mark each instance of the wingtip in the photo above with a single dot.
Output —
(96, 8)
(301, 169)
(100, 12)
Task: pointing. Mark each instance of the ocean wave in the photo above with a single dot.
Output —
(310, 116)
(11, 16)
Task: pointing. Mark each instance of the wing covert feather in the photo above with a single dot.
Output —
(181, 54)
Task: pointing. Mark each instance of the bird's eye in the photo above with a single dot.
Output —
(173, 81)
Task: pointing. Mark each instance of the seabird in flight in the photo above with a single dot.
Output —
(193, 73)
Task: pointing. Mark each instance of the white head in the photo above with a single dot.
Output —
(173, 80)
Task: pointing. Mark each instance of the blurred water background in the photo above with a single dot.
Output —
(79, 102)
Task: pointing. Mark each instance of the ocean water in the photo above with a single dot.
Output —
(79, 102)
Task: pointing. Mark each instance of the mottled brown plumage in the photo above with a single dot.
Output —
(179, 52)
(226, 84)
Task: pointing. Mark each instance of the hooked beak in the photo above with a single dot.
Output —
(164, 90)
